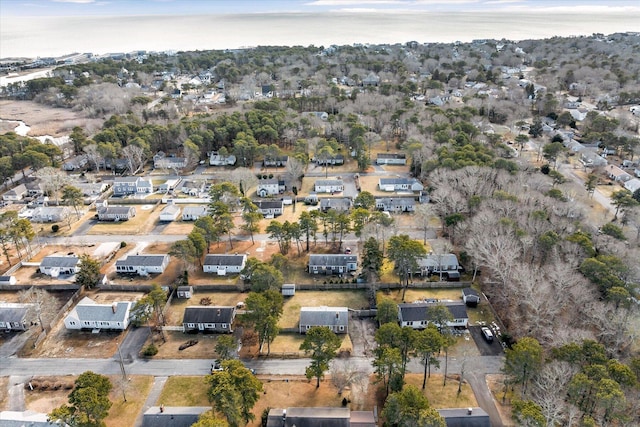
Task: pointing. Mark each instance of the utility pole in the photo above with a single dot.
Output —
(124, 373)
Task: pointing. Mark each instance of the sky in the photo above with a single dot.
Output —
(197, 7)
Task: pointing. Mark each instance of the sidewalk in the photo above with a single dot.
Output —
(154, 394)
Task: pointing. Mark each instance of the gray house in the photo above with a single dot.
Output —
(335, 160)
(275, 161)
(50, 214)
(339, 204)
(127, 185)
(391, 159)
(13, 317)
(332, 263)
(439, 263)
(192, 213)
(399, 184)
(208, 319)
(465, 417)
(16, 193)
(396, 204)
(116, 213)
(328, 186)
(334, 318)
(471, 297)
(184, 292)
(269, 208)
(55, 266)
(223, 264)
(142, 265)
(416, 315)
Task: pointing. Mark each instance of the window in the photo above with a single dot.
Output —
(409, 323)
(224, 326)
(72, 323)
(341, 328)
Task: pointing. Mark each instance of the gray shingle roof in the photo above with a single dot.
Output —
(224, 259)
(142, 260)
(208, 314)
(460, 417)
(13, 313)
(268, 204)
(324, 316)
(331, 260)
(194, 210)
(415, 312)
(172, 416)
(115, 210)
(327, 182)
(88, 310)
(392, 156)
(309, 417)
(397, 181)
(60, 261)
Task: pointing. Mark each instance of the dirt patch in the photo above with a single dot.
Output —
(287, 345)
(45, 400)
(45, 120)
(178, 227)
(413, 295)
(170, 347)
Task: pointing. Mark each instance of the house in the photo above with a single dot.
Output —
(91, 189)
(75, 163)
(269, 208)
(192, 213)
(172, 416)
(26, 418)
(329, 186)
(193, 188)
(169, 213)
(15, 194)
(391, 159)
(335, 160)
(275, 161)
(339, 204)
(471, 297)
(127, 185)
(142, 265)
(417, 316)
(55, 266)
(371, 80)
(465, 417)
(208, 319)
(216, 159)
(288, 289)
(34, 188)
(320, 417)
(223, 264)
(396, 204)
(332, 264)
(322, 115)
(334, 318)
(438, 263)
(169, 185)
(162, 161)
(13, 317)
(116, 213)
(617, 174)
(88, 314)
(270, 187)
(50, 214)
(184, 292)
(399, 184)
(8, 280)
(632, 185)
(590, 158)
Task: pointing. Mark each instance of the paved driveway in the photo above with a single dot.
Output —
(485, 348)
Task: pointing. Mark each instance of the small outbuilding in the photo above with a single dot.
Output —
(471, 297)
(288, 289)
(184, 291)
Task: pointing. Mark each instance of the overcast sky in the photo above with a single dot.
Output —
(196, 7)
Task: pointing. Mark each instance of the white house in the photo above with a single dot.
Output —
(142, 265)
(223, 264)
(617, 174)
(116, 213)
(399, 184)
(329, 186)
(50, 214)
(192, 213)
(270, 187)
(15, 194)
(438, 263)
(396, 204)
(126, 185)
(169, 213)
(391, 159)
(87, 314)
(632, 185)
(269, 208)
(55, 266)
(216, 159)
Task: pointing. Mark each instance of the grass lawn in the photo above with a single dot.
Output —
(178, 227)
(288, 344)
(4, 397)
(440, 396)
(142, 223)
(291, 312)
(170, 348)
(176, 309)
(412, 294)
(136, 391)
(184, 391)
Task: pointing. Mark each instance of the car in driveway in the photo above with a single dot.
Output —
(216, 366)
(487, 334)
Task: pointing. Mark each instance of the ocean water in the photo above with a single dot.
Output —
(56, 36)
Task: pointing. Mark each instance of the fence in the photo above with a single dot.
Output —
(50, 287)
(58, 315)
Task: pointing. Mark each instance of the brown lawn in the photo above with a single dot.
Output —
(136, 390)
(291, 312)
(440, 396)
(495, 382)
(288, 345)
(170, 348)
(45, 401)
(178, 227)
(412, 295)
(4, 396)
(176, 309)
(144, 221)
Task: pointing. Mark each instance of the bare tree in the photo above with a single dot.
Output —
(93, 155)
(53, 180)
(135, 158)
(294, 170)
(42, 305)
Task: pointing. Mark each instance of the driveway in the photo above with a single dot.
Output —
(132, 343)
(485, 348)
(362, 333)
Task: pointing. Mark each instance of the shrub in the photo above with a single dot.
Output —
(150, 351)
(545, 169)
(613, 231)
(123, 244)
(55, 228)
(205, 301)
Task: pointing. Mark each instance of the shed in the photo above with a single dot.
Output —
(288, 289)
(184, 291)
(471, 297)
(8, 280)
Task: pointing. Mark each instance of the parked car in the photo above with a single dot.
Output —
(216, 366)
(487, 334)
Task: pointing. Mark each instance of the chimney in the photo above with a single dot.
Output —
(114, 307)
(469, 411)
(284, 417)
(161, 408)
(337, 315)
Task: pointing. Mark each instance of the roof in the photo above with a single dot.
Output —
(392, 156)
(470, 292)
(5, 279)
(49, 210)
(335, 203)
(329, 260)
(208, 314)
(117, 210)
(126, 179)
(309, 417)
(326, 182)
(460, 417)
(268, 181)
(170, 209)
(324, 316)
(224, 259)
(194, 210)
(414, 312)
(13, 313)
(25, 419)
(59, 261)
(87, 309)
(397, 201)
(18, 189)
(268, 204)
(172, 416)
(143, 260)
(398, 181)
(434, 260)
